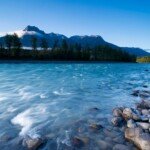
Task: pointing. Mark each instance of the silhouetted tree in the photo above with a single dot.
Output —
(34, 41)
(55, 44)
(64, 45)
(8, 41)
(16, 43)
(44, 44)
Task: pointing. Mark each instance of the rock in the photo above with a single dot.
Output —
(144, 95)
(131, 133)
(135, 93)
(136, 117)
(117, 121)
(5, 138)
(77, 142)
(117, 112)
(144, 118)
(145, 112)
(119, 139)
(127, 113)
(143, 125)
(131, 124)
(111, 133)
(121, 147)
(145, 86)
(96, 127)
(103, 145)
(95, 109)
(144, 104)
(138, 137)
(85, 140)
(32, 144)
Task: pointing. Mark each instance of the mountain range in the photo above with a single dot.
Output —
(91, 41)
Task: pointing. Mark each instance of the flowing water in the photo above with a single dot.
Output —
(45, 99)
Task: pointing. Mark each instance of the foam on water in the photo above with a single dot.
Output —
(24, 120)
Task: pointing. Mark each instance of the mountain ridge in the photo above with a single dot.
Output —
(26, 34)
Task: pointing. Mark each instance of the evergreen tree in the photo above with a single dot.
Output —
(34, 41)
(55, 46)
(1, 46)
(44, 44)
(64, 45)
(8, 41)
(16, 43)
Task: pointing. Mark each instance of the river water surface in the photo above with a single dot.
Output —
(39, 99)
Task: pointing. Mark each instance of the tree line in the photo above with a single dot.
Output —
(145, 59)
(11, 48)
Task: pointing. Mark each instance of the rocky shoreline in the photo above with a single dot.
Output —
(136, 121)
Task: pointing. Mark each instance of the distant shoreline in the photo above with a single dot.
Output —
(61, 61)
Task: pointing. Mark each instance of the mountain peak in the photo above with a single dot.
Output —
(34, 28)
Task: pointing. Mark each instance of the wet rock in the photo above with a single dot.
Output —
(117, 121)
(130, 133)
(32, 144)
(103, 145)
(117, 112)
(145, 86)
(95, 127)
(5, 138)
(121, 147)
(144, 118)
(77, 142)
(135, 93)
(144, 105)
(95, 109)
(85, 140)
(111, 133)
(131, 124)
(136, 117)
(143, 125)
(127, 113)
(138, 137)
(119, 139)
(144, 95)
(108, 139)
(145, 112)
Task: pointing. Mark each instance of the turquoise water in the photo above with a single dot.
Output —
(40, 98)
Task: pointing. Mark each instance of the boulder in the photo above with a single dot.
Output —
(144, 118)
(117, 121)
(138, 137)
(144, 125)
(77, 142)
(145, 104)
(145, 112)
(111, 133)
(131, 124)
(121, 147)
(94, 109)
(127, 113)
(135, 93)
(136, 117)
(103, 145)
(95, 127)
(32, 143)
(117, 112)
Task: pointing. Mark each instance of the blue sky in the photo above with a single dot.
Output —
(122, 22)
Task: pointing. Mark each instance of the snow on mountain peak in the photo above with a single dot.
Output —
(33, 29)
